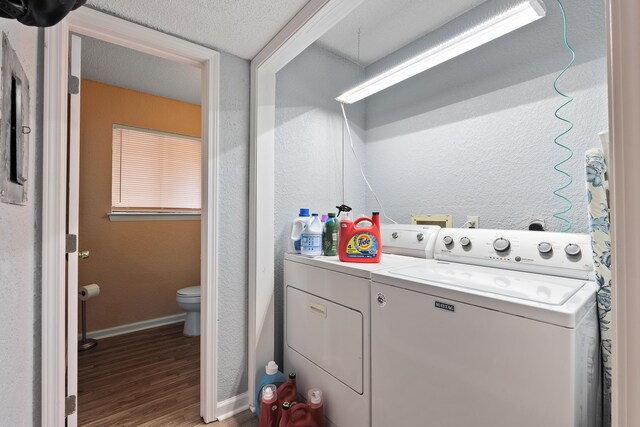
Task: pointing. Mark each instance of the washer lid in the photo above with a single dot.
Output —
(191, 291)
(536, 288)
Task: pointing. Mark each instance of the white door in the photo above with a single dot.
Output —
(73, 182)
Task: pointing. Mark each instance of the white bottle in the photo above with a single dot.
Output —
(311, 241)
(297, 227)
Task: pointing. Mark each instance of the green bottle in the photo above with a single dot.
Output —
(330, 236)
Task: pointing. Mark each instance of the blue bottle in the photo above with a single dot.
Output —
(271, 376)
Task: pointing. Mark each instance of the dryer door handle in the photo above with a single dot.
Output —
(318, 309)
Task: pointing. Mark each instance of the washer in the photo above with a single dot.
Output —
(500, 329)
(327, 339)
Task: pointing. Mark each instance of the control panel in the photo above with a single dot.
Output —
(408, 239)
(558, 254)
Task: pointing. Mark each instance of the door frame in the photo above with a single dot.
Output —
(88, 22)
(314, 19)
(623, 60)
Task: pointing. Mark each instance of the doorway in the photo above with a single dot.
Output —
(139, 235)
(59, 317)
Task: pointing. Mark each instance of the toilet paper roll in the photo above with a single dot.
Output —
(89, 291)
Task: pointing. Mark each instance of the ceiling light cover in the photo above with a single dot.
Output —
(517, 14)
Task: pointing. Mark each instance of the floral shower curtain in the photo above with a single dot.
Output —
(601, 246)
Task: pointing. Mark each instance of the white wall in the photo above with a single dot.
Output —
(20, 248)
(233, 241)
(308, 149)
(474, 136)
(491, 155)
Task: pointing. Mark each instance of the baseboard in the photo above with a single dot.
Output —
(136, 326)
(234, 405)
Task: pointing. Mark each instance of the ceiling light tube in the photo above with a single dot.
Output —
(521, 14)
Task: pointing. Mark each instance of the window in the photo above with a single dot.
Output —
(155, 171)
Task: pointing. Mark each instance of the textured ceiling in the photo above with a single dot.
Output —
(118, 66)
(387, 25)
(239, 27)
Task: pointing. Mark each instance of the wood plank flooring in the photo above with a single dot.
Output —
(148, 378)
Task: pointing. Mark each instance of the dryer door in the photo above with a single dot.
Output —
(328, 334)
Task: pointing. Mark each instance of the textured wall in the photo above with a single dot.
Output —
(233, 238)
(474, 136)
(139, 265)
(491, 155)
(308, 149)
(20, 249)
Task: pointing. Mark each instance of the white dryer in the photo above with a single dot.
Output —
(327, 338)
(499, 330)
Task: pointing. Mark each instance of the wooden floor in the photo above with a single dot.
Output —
(147, 378)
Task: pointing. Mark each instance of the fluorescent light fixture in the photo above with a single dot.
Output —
(517, 16)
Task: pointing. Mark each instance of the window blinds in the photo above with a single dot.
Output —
(155, 171)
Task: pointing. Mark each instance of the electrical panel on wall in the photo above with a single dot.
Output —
(14, 129)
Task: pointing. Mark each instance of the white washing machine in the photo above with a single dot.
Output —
(327, 339)
(499, 330)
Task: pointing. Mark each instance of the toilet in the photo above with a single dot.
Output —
(189, 300)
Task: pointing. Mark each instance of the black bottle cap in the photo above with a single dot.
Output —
(292, 376)
(286, 405)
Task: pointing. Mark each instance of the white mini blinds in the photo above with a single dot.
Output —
(155, 171)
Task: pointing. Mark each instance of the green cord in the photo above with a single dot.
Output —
(560, 215)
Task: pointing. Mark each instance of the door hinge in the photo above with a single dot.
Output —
(71, 243)
(69, 405)
(74, 85)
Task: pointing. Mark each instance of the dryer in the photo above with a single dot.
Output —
(499, 330)
(327, 322)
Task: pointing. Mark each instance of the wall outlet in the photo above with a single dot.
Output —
(473, 221)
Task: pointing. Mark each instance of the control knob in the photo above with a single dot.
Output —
(501, 244)
(448, 240)
(465, 241)
(545, 248)
(420, 237)
(572, 249)
(394, 234)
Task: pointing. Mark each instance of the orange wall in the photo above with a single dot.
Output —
(138, 265)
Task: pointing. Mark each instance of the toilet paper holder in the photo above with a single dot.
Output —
(85, 293)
